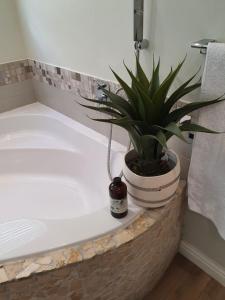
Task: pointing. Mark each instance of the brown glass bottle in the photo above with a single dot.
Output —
(118, 196)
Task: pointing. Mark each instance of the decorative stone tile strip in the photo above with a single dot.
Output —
(64, 79)
(3, 275)
(15, 72)
(61, 78)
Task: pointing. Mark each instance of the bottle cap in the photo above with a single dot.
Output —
(116, 180)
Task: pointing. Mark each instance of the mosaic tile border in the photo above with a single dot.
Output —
(64, 79)
(14, 72)
(61, 78)
(77, 83)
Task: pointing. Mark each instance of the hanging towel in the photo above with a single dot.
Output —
(206, 180)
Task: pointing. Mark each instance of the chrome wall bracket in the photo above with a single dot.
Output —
(202, 45)
(140, 45)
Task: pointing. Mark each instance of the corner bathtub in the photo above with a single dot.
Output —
(53, 182)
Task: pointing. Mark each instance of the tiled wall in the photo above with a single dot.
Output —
(67, 80)
(16, 87)
(15, 72)
(54, 76)
(61, 78)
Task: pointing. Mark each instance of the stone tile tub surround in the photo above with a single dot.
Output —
(14, 72)
(61, 78)
(124, 265)
(18, 81)
(16, 88)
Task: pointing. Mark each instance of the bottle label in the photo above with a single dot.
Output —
(118, 206)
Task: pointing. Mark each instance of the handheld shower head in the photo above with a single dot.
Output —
(138, 20)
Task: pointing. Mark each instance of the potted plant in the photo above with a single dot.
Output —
(151, 170)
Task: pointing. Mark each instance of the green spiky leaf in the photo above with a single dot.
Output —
(179, 113)
(128, 91)
(160, 96)
(187, 126)
(105, 110)
(122, 105)
(183, 90)
(141, 77)
(147, 114)
(154, 83)
(173, 129)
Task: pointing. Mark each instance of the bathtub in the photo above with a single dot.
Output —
(53, 182)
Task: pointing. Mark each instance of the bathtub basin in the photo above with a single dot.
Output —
(53, 182)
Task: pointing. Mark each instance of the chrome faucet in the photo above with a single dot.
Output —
(100, 95)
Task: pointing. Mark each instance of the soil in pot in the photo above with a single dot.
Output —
(149, 168)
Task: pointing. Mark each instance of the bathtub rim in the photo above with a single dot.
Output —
(40, 110)
(55, 259)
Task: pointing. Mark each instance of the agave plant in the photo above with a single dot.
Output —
(149, 116)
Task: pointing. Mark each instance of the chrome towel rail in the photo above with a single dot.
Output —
(202, 45)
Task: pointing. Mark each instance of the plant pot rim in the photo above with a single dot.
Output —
(153, 191)
(169, 151)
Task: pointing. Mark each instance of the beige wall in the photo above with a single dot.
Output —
(11, 41)
(12, 48)
(82, 35)
(15, 95)
(88, 36)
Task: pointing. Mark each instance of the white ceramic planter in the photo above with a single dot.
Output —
(155, 191)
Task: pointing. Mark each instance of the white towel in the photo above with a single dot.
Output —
(206, 180)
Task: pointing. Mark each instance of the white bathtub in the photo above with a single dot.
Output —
(53, 182)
